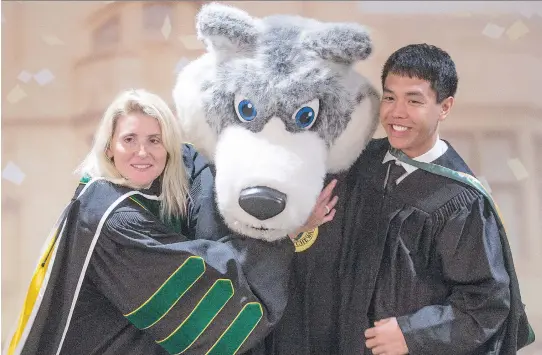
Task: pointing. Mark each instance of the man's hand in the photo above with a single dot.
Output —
(322, 212)
(386, 338)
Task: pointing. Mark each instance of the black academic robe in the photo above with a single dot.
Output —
(442, 271)
(119, 281)
(429, 253)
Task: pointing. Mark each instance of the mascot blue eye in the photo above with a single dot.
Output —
(306, 115)
(245, 110)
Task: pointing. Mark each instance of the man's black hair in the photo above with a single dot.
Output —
(426, 62)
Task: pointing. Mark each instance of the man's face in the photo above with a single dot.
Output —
(410, 114)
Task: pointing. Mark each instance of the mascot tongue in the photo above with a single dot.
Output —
(275, 104)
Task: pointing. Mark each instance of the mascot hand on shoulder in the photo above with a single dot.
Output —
(275, 104)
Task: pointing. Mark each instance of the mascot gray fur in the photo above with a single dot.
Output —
(275, 104)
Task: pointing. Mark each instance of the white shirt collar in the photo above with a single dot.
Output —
(434, 153)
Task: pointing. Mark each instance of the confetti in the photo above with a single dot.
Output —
(13, 173)
(493, 31)
(52, 40)
(16, 94)
(25, 76)
(484, 183)
(517, 30)
(166, 28)
(518, 169)
(181, 64)
(44, 77)
(191, 42)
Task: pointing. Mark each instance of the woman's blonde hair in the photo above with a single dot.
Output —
(97, 163)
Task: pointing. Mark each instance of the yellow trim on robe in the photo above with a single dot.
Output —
(32, 294)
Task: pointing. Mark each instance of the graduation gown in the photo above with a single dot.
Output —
(119, 281)
(429, 254)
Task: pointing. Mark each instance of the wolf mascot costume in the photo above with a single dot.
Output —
(275, 104)
(278, 110)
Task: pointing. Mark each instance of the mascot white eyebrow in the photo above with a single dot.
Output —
(275, 104)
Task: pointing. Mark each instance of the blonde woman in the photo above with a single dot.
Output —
(122, 275)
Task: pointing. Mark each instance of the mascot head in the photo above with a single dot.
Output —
(275, 104)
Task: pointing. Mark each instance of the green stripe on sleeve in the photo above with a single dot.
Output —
(200, 318)
(238, 331)
(159, 304)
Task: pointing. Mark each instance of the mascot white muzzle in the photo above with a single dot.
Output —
(275, 104)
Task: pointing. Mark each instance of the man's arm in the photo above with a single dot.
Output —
(471, 258)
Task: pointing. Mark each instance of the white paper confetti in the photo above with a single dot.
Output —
(44, 77)
(52, 40)
(16, 94)
(484, 183)
(166, 28)
(181, 64)
(191, 42)
(13, 173)
(517, 30)
(25, 76)
(518, 169)
(493, 31)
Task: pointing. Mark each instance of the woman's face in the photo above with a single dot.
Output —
(136, 149)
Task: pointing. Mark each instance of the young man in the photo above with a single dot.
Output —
(409, 264)
(445, 282)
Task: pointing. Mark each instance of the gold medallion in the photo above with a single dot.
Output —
(305, 240)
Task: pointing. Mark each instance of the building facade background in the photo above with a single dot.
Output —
(63, 62)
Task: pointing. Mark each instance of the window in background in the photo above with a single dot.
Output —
(487, 153)
(464, 144)
(497, 149)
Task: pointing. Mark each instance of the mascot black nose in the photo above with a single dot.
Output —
(262, 202)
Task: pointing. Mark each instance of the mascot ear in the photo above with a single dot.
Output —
(342, 42)
(224, 28)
